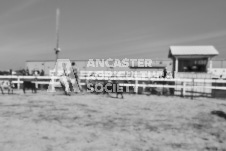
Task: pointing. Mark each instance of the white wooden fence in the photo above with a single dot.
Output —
(40, 80)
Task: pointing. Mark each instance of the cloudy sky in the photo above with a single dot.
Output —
(107, 28)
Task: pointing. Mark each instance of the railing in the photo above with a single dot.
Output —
(184, 85)
(188, 75)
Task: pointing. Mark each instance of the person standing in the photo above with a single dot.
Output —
(27, 72)
(75, 77)
(42, 73)
(164, 73)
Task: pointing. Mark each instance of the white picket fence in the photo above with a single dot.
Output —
(40, 80)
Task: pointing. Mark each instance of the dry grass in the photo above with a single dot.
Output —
(52, 122)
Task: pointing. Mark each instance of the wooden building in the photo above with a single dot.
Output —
(192, 60)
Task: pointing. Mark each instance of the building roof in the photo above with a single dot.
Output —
(154, 66)
(192, 50)
(49, 60)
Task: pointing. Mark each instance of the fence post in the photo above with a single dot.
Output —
(51, 87)
(192, 91)
(18, 82)
(136, 86)
(184, 89)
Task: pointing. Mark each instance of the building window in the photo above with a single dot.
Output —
(192, 65)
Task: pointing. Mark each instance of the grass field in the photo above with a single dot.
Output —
(54, 122)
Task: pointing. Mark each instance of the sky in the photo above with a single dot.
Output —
(92, 29)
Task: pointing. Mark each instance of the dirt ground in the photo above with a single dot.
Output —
(54, 122)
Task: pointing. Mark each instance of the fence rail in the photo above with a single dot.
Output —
(185, 84)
